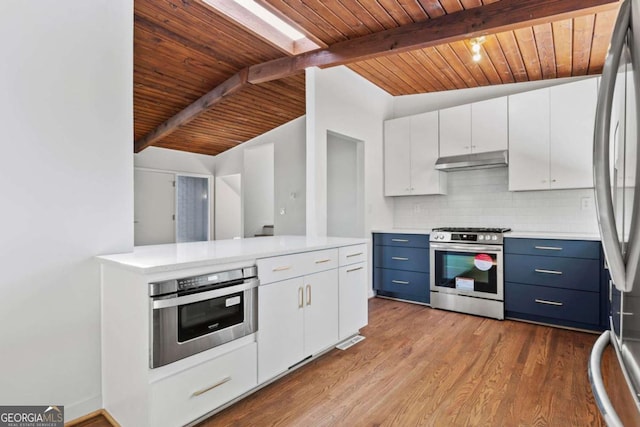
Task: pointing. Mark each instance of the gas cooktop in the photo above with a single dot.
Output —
(473, 229)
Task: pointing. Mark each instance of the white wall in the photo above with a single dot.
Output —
(480, 198)
(67, 191)
(345, 186)
(340, 101)
(289, 172)
(258, 199)
(408, 105)
(228, 202)
(175, 161)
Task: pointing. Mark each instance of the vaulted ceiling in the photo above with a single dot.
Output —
(183, 49)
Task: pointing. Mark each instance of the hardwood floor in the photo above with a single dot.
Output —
(425, 367)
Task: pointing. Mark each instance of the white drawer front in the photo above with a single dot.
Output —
(285, 267)
(352, 254)
(320, 260)
(181, 398)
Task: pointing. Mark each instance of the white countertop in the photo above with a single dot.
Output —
(513, 234)
(159, 258)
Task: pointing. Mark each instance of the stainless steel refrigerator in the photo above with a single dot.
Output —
(618, 207)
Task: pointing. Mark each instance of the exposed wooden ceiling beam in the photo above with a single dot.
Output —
(229, 87)
(501, 16)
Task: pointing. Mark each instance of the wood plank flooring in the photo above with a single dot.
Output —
(425, 367)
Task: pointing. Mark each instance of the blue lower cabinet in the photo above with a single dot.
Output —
(570, 273)
(402, 282)
(401, 266)
(559, 282)
(548, 305)
(410, 259)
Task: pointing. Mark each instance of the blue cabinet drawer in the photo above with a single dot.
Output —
(553, 248)
(410, 259)
(403, 282)
(564, 304)
(571, 273)
(403, 240)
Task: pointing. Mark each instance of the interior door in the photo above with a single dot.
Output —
(154, 207)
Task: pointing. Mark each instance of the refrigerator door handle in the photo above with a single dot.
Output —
(597, 385)
(601, 141)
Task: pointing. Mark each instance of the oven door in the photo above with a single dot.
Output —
(467, 269)
(188, 324)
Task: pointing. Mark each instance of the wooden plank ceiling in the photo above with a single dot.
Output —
(183, 49)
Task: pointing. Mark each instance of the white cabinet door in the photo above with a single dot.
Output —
(353, 299)
(320, 311)
(455, 130)
(397, 157)
(280, 327)
(489, 125)
(572, 117)
(425, 179)
(529, 140)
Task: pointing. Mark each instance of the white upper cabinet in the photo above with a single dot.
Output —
(529, 140)
(397, 157)
(455, 130)
(474, 128)
(551, 137)
(410, 154)
(572, 117)
(489, 125)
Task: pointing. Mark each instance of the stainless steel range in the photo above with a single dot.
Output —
(467, 270)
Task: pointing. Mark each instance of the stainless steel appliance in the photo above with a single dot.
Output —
(467, 270)
(194, 314)
(616, 181)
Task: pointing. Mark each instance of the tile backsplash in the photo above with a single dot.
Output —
(480, 198)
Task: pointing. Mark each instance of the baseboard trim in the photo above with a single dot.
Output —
(93, 414)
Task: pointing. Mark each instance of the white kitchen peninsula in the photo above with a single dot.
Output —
(330, 299)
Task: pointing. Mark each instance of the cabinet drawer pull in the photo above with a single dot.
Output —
(400, 282)
(541, 270)
(354, 269)
(321, 261)
(308, 294)
(356, 254)
(543, 301)
(548, 248)
(401, 240)
(300, 297)
(624, 313)
(397, 258)
(211, 387)
(282, 268)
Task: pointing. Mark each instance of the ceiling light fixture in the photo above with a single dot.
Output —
(476, 47)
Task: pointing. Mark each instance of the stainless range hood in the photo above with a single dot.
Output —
(492, 159)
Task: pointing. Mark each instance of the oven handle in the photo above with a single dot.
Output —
(466, 248)
(203, 296)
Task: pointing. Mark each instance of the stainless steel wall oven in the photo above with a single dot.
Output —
(467, 272)
(194, 314)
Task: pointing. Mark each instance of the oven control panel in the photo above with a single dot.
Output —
(466, 237)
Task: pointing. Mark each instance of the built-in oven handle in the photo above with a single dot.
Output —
(203, 296)
(467, 248)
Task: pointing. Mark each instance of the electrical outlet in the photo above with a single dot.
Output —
(416, 208)
(586, 203)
